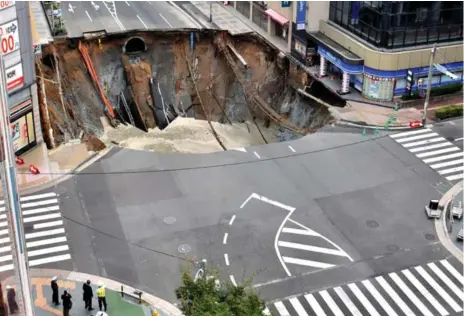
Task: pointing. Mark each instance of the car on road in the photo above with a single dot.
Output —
(457, 210)
(459, 236)
(432, 209)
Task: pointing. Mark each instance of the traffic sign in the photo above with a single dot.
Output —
(445, 71)
(285, 4)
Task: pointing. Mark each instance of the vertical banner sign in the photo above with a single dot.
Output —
(301, 15)
(355, 7)
(9, 35)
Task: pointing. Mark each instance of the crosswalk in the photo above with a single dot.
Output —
(44, 232)
(434, 150)
(435, 288)
(302, 249)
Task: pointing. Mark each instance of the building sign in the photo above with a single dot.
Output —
(285, 4)
(355, 7)
(14, 77)
(301, 15)
(300, 48)
(37, 48)
(9, 34)
(6, 4)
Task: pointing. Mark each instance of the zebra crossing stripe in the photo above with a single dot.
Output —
(437, 152)
(452, 270)
(315, 305)
(37, 196)
(281, 309)
(363, 299)
(39, 203)
(451, 170)
(424, 148)
(455, 177)
(37, 262)
(407, 139)
(424, 142)
(420, 131)
(298, 307)
(331, 303)
(347, 301)
(379, 298)
(395, 297)
(43, 242)
(409, 294)
(446, 280)
(447, 164)
(445, 157)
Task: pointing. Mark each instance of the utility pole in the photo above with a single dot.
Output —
(429, 84)
(210, 12)
(12, 202)
(290, 29)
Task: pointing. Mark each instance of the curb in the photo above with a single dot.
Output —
(440, 224)
(156, 303)
(343, 122)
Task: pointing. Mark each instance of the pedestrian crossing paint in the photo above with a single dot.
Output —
(440, 154)
(44, 232)
(427, 290)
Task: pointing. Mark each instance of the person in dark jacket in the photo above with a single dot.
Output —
(67, 303)
(11, 297)
(88, 295)
(55, 293)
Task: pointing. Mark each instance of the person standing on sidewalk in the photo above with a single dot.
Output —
(55, 293)
(101, 294)
(88, 295)
(11, 297)
(67, 303)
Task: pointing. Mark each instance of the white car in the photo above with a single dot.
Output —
(457, 210)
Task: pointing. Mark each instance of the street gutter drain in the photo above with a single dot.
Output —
(185, 248)
(169, 220)
(430, 236)
(372, 224)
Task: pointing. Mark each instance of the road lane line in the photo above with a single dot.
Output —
(256, 154)
(88, 15)
(224, 241)
(38, 196)
(165, 20)
(357, 292)
(331, 303)
(451, 170)
(452, 270)
(448, 163)
(307, 263)
(455, 177)
(39, 203)
(43, 242)
(41, 210)
(48, 224)
(127, 3)
(232, 220)
(417, 149)
(298, 231)
(440, 158)
(437, 152)
(347, 301)
(281, 309)
(428, 296)
(379, 298)
(34, 253)
(446, 297)
(226, 259)
(424, 142)
(395, 297)
(407, 139)
(198, 25)
(37, 262)
(142, 22)
(411, 133)
(232, 279)
(327, 251)
(291, 148)
(410, 294)
(45, 233)
(315, 305)
(446, 280)
(298, 307)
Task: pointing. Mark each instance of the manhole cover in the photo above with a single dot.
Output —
(169, 220)
(392, 248)
(184, 248)
(372, 224)
(430, 236)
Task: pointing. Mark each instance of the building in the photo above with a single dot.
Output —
(367, 47)
(18, 56)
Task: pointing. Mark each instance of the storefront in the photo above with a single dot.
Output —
(278, 24)
(303, 49)
(22, 127)
(377, 88)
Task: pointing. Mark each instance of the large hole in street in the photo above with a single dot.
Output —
(181, 92)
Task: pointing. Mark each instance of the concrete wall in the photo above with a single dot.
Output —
(317, 11)
(392, 60)
(25, 40)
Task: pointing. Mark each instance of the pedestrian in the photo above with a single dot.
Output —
(55, 293)
(67, 303)
(88, 295)
(101, 294)
(11, 297)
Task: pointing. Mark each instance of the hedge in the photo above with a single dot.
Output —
(436, 91)
(448, 111)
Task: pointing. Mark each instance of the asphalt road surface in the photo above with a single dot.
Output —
(320, 211)
(120, 16)
(452, 130)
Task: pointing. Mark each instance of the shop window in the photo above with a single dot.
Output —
(379, 89)
(22, 132)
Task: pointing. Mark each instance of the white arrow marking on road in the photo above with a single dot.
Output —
(71, 8)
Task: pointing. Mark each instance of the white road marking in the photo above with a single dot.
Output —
(88, 15)
(127, 3)
(5, 249)
(428, 296)
(226, 259)
(378, 297)
(437, 152)
(291, 148)
(331, 303)
(448, 163)
(298, 307)
(256, 154)
(232, 220)
(308, 263)
(37, 262)
(395, 297)
(6, 258)
(38, 196)
(39, 203)
(224, 241)
(34, 253)
(232, 279)
(4, 240)
(357, 292)
(142, 22)
(421, 131)
(458, 139)
(3, 216)
(41, 210)
(452, 123)
(440, 158)
(45, 233)
(347, 301)
(41, 217)
(6, 268)
(451, 170)
(452, 270)
(272, 202)
(48, 224)
(298, 231)
(327, 251)
(424, 142)
(315, 305)
(410, 294)
(408, 139)
(439, 289)
(3, 224)
(185, 14)
(42, 242)
(446, 280)
(240, 149)
(455, 177)
(440, 145)
(281, 309)
(4, 232)
(165, 20)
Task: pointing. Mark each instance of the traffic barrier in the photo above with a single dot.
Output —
(19, 161)
(33, 169)
(415, 124)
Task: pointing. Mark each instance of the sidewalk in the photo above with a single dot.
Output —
(73, 281)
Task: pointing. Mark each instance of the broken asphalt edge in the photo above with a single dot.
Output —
(440, 224)
(343, 122)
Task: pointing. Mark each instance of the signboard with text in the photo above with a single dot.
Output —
(6, 4)
(301, 15)
(285, 4)
(9, 34)
(14, 77)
